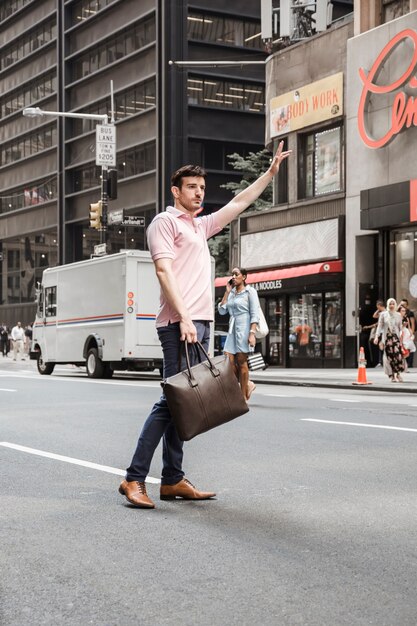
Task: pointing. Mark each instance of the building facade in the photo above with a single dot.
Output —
(61, 56)
(294, 252)
(381, 203)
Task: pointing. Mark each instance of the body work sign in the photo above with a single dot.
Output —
(313, 103)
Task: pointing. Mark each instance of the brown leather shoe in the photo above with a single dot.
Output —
(135, 493)
(184, 489)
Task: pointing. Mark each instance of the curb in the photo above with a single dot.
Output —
(302, 383)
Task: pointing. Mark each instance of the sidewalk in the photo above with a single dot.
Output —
(330, 378)
(336, 378)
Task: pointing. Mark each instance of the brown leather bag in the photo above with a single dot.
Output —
(203, 396)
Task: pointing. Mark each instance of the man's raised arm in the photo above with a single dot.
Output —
(245, 198)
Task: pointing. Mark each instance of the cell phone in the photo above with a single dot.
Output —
(231, 282)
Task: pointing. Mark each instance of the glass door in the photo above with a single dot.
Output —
(273, 345)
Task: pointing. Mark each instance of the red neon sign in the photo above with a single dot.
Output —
(404, 110)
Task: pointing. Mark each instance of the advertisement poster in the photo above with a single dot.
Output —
(328, 162)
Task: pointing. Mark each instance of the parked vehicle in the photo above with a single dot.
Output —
(99, 313)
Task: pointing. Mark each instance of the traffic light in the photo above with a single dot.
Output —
(96, 210)
(112, 184)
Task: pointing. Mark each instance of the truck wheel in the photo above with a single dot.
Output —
(108, 372)
(44, 368)
(94, 364)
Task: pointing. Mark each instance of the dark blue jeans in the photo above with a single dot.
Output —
(159, 423)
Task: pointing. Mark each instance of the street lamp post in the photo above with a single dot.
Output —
(103, 118)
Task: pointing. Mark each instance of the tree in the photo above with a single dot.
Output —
(251, 167)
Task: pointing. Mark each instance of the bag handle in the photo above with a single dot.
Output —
(197, 346)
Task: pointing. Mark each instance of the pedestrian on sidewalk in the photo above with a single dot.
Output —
(242, 303)
(377, 353)
(410, 317)
(28, 338)
(4, 340)
(389, 331)
(18, 337)
(178, 245)
(407, 338)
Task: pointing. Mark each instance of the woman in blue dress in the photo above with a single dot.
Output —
(242, 303)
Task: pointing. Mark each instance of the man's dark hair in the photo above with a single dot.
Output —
(186, 170)
(380, 302)
(405, 300)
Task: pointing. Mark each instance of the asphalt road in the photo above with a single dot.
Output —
(314, 521)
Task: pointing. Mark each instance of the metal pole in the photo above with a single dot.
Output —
(112, 101)
(104, 204)
(214, 63)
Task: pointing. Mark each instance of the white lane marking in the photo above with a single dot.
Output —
(68, 459)
(342, 400)
(277, 395)
(8, 389)
(85, 380)
(309, 419)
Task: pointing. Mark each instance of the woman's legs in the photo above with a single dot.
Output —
(239, 362)
(233, 362)
(242, 364)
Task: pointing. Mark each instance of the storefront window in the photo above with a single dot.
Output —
(405, 245)
(305, 326)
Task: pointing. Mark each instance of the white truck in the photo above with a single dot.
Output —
(99, 313)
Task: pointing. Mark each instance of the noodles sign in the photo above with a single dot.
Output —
(404, 107)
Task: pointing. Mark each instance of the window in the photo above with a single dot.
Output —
(38, 193)
(229, 95)
(223, 30)
(305, 326)
(332, 325)
(50, 302)
(127, 103)
(24, 259)
(114, 48)
(8, 7)
(27, 95)
(321, 163)
(129, 163)
(404, 246)
(85, 9)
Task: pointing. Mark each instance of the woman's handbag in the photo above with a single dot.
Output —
(256, 361)
(405, 352)
(262, 327)
(203, 396)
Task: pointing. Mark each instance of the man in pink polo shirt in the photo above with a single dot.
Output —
(178, 244)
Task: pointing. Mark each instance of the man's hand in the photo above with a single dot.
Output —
(280, 155)
(188, 331)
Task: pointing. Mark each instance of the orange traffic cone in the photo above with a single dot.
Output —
(361, 380)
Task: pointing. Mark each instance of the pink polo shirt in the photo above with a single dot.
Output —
(176, 235)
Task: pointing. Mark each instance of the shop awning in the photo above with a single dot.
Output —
(326, 267)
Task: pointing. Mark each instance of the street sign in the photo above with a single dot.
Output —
(106, 145)
(100, 249)
(115, 217)
(134, 220)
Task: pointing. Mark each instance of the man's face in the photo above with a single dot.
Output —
(404, 304)
(190, 195)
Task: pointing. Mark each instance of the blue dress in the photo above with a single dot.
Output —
(243, 308)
